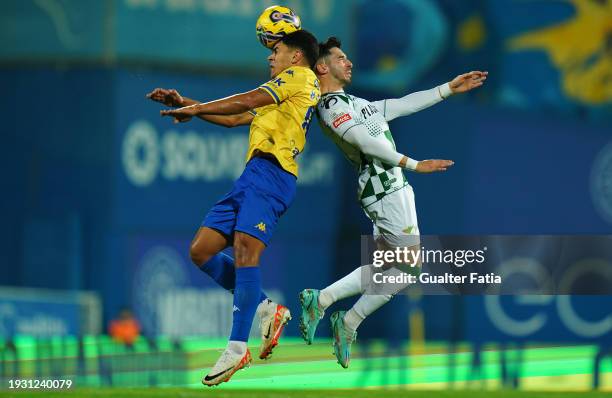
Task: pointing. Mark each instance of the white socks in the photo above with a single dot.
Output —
(238, 347)
(362, 308)
(348, 286)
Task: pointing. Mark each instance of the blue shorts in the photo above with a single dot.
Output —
(259, 197)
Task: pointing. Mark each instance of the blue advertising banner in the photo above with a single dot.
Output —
(173, 297)
(30, 312)
(559, 318)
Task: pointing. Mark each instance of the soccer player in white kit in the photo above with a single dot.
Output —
(359, 128)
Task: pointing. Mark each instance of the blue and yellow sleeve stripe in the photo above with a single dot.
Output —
(272, 93)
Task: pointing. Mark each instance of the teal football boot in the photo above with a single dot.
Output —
(342, 338)
(311, 314)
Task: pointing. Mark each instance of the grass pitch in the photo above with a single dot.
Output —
(376, 366)
(218, 393)
(406, 371)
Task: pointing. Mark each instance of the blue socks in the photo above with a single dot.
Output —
(245, 283)
(220, 267)
(247, 295)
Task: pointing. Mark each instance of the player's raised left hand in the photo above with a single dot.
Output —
(180, 115)
(468, 81)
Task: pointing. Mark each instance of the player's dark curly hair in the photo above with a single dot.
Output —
(306, 42)
(326, 46)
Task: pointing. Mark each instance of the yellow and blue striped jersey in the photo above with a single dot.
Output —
(280, 128)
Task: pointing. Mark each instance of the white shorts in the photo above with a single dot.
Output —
(395, 220)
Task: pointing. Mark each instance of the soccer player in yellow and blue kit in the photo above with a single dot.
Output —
(279, 113)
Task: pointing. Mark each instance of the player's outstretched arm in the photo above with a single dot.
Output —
(233, 105)
(229, 120)
(396, 107)
(415, 102)
(358, 135)
(171, 97)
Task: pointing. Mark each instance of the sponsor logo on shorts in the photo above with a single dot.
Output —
(344, 118)
(409, 230)
(261, 226)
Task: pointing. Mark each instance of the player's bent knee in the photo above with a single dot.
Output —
(199, 256)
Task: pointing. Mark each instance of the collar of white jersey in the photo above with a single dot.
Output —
(341, 91)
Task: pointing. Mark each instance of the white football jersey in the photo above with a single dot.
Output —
(338, 112)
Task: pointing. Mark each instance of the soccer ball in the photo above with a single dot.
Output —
(274, 23)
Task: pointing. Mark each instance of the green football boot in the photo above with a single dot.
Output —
(342, 339)
(311, 314)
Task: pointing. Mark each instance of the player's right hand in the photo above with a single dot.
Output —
(433, 165)
(168, 97)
